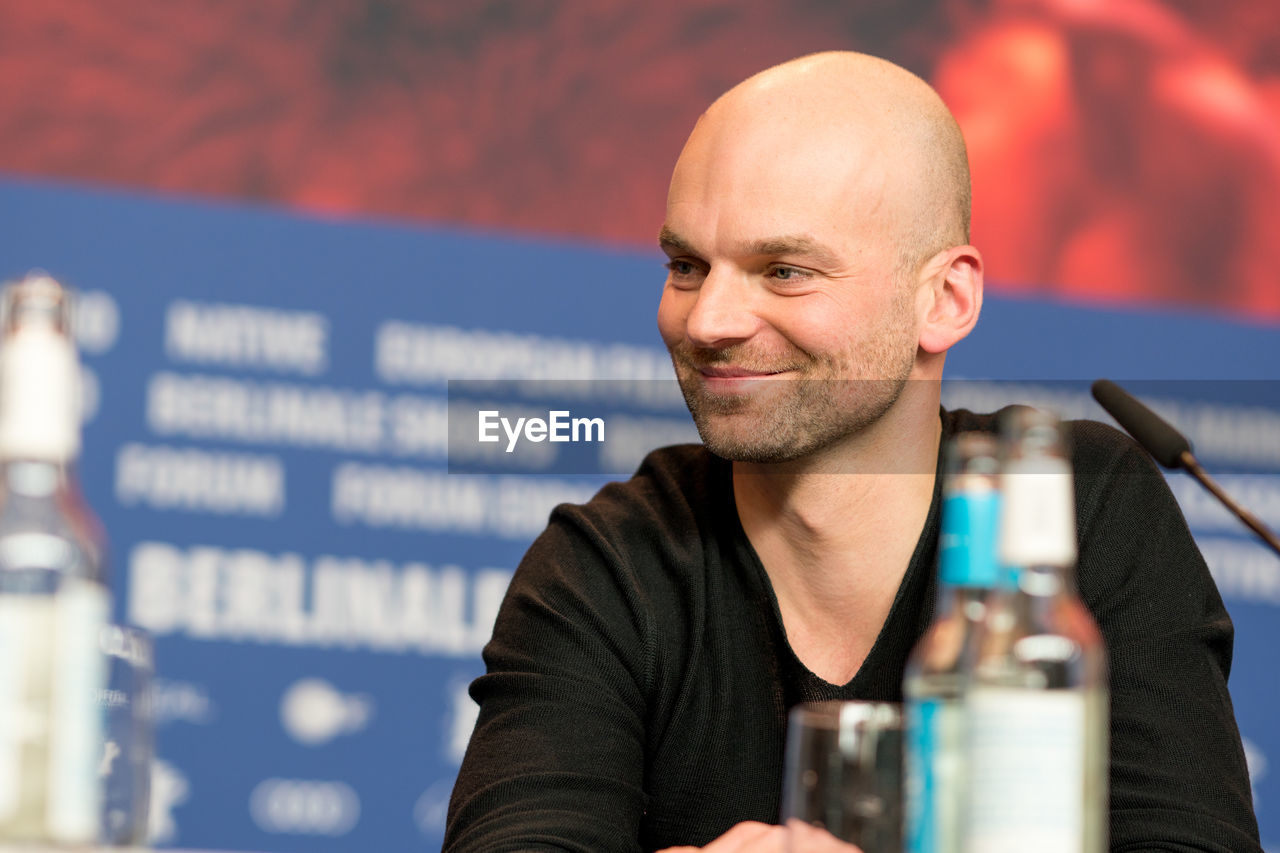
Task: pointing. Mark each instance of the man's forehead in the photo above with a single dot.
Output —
(776, 169)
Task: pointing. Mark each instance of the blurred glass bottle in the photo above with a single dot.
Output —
(53, 596)
(940, 667)
(1038, 707)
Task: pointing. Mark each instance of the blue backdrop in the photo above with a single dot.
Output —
(266, 443)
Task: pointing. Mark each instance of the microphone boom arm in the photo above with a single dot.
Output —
(1193, 467)
(1171, 449)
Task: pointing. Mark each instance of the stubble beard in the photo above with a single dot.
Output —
(786, 419)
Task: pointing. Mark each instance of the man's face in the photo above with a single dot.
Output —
(789, 321)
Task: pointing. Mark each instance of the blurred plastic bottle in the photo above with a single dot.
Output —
(1037, 709)
(941, 666)
(53, 597)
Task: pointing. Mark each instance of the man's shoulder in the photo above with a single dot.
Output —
(1087, 440)
(687, 469)
(1102, 457)
(681, 473)
(673, 492)
(635, 543)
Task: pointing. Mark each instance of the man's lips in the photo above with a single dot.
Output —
(721, 372)
(734, 380)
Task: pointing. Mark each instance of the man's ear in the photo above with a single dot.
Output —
(949, 298)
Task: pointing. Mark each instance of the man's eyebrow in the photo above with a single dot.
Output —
(672, 243)
(797, 244)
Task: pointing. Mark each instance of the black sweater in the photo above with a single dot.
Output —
(639, 676)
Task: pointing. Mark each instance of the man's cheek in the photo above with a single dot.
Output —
(673, 310)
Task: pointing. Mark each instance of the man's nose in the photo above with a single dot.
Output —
(722, 313)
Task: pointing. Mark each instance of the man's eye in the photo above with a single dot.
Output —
(681, 268)
(786, 273)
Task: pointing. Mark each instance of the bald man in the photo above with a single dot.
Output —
(653, 639)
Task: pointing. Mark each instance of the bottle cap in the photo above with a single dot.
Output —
(39, 374)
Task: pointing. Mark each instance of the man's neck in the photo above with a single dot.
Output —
(836, 545)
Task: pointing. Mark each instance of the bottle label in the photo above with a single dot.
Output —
(967, 543)
(1028, 751)
(1038, 524)
(934, 764)
(25, 629)
(79, 677)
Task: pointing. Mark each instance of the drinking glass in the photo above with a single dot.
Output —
(843, 774)
(127, 727)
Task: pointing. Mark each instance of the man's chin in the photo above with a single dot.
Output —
(755, 452)
(746, 439)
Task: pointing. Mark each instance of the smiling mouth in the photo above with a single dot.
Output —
(737, 373)
(736, 381)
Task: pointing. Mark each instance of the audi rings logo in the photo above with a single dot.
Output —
(304, 807)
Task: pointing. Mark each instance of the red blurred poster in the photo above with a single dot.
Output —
(1122, 150)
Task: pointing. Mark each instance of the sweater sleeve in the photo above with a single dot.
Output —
(556, 761)
(1178, 775)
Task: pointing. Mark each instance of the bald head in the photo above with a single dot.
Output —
(849, 123)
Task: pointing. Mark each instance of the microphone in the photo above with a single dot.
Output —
(1170, 448)
(1150, 430)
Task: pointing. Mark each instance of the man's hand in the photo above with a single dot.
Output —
(752, 837)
